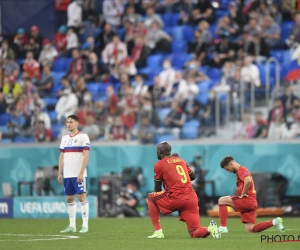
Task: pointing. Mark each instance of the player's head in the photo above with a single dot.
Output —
(72, 122)
(163, 149)
(228, 163)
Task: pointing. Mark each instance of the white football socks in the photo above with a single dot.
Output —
(85, 213)
(72, 214)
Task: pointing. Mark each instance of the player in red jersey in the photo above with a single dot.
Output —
(175, 175)
(245, 202)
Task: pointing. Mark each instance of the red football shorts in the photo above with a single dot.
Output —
(188, 207)
(247, 207)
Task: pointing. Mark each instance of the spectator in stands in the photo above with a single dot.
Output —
(287, 9)
(167, 76)
(186, 89)
(290, 128)
(25, 107)
(275, 127)
(147, 131)
(11, 67)
(3, 105)
(91, 128)
(112, 12)
(126, 66)
(129, 99)
(158, 39)
(114, 52)
(111, 100)
(48, 54)
(236, 15)
(146, 110)
(14, 125)
(35, 35)
(29, 88)
(101, 116)
(157, 92)
(66, 105)
(259, 49)
(65, 84)
(34, 47)
(139, 87)
(179, 82)
(84, 112)
(20, 40)
(252, 27)
(294, 37)
(81, 91)
(119, 131)
(75, 15)
(89, 17)
(6, 51)
(250, 73)
(61, 7)
(88, 47)
(92, 70)
(174, 121)
(105, 37)
(37, 101)
(246, 129)
(270, 32)
(192, 69)
(38, 115)
(130, 15)
(136, 4)
(128, 116)
(227, 28)
(124, 80)
(224, 51)
(296, 110)
(278, 109)
(76, 67)
(11, 90)
(206, 34)
(129, 36)
(199, 47)
(46, 83)
(72, 41)
(43, 134)
(202, 11)
(191, 106)
(276, 15)
(288, 98)
(31, 67)
(261, 126)
(228, 80)
(60, 40)
(140, 52)
(151, 17)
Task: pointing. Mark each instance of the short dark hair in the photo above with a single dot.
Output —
(74, 117)
(226, 160)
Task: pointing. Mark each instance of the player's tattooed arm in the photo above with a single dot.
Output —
(192, 175)
(157, 185)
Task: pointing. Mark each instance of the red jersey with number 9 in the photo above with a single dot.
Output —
(241, 175)
(174, 173)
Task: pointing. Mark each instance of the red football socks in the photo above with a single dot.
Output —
(223, 213)
(262, 226)
(200, 232)
(154, 212)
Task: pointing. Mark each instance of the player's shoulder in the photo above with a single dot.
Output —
(243, 169)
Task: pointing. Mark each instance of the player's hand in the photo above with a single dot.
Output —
(80, 178)
(59, 178)
(244, 195)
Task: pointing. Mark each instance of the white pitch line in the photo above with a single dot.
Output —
(61, 237)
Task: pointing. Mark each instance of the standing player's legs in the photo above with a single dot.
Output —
(81, 193)
(70, 192)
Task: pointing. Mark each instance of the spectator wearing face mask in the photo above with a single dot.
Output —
(60, 39)
(276, 127)
(198, 47)
(80, 90)
(278, 109)
(288, 98)
(92, 70)
(167, 76)
(290, 129)
(66, 105)
(148, 111)
(139, 87)
(48, 53)
(111, 100)
(75, 15)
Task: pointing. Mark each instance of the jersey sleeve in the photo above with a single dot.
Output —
(62, 147)
(243, 173)
(158, 175)
(86, 142)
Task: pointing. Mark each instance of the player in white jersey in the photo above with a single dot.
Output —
(73, 160)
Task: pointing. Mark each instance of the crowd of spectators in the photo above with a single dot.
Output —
(110, 51)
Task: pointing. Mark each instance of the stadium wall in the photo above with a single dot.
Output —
(19, 162)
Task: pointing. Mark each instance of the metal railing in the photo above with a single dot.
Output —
(268, 79)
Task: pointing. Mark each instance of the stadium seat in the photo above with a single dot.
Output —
(278, 54)
(154, 61)
(286, 28)
(21, 139)
(93, 88)
(286, 57)
(53, 116)
(56, 129)
(179, 47)
(167, 19)
(214, 74)
(177, 33)
(190, 130)
(220, 13)
(178, 60)
(50, 101)
(57, 76)
(202, 97)
(162, 113)
(3, 129)
(165, 137)
(4, 118)
(5, 141)
(58, 65)
(175, 19)
(205, 86)
(67, 62)
(212, 29)
(168, 30)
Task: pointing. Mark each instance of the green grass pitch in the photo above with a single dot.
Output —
(42, 234)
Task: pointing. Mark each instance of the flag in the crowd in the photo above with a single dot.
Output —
(293, 70)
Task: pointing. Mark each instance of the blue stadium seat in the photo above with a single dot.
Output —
(178, 60)
(3, 128)
(286, 57)
(57, 76)
(168, 30)
(58, 65)
(221, 13)
(188, 33)
(278, 54)
(167, 19)
(56, 129)
(21, 139)
(56, 88)
(203, 97)
(53, 116)
(214, 74)
(6, 141)
(175, 19)
(190, 130)
(102, 88)
(4, 118)
(165, 137)
(286, 28)
(179, 47)
(224, 4)
(162, 113)
(177, 33)
(67, 62)
(50, 101)
(154, 61)
(212, 29)
(205, 86)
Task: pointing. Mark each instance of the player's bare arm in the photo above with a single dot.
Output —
(86, 155)
(192, 175)
(247, 183)
(60, 167)
(157, 185)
